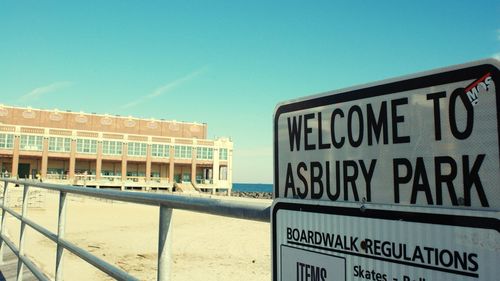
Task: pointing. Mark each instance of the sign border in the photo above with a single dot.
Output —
(392, 215)
(387, 87)
(324, 254)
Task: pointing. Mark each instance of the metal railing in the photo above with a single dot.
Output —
(111, 178)
(56, 177)
(166, 202)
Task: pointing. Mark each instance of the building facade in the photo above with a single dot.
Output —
(112, 151)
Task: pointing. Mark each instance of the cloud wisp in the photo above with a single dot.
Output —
(39, 91)
(165, 88)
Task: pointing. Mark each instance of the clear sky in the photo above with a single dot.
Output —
(226, 63)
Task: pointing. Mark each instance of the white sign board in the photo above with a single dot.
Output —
(384, 243)
(397, 180)
(426, 140)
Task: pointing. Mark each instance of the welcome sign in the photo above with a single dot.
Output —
(393, 181)
(428, 141)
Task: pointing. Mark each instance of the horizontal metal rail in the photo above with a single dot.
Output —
(26, 261)
(86, 256)
(226, 208)
(165, 202)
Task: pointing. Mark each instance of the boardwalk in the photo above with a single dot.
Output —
(8, 269)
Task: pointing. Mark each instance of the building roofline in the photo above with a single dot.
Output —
(101, 115)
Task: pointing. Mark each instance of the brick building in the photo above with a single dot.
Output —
(112, 151)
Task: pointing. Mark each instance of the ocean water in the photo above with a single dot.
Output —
(254, 187)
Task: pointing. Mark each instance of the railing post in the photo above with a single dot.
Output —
(60, 235)
(165, 245)
(20, 265)
(2, 223)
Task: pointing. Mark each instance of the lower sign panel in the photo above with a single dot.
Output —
(320, 242)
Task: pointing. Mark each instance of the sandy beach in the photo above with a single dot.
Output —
(205, 247)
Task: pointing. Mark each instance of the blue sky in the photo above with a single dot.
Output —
(226, 63)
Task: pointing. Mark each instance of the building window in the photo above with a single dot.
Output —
(30, 142)
(59, 144)
(160, 150)
(205, 153)
(223, 173)
(112, 147)
(223, 154)
(6, 140)
(136, 149)
(183, 151)
(86, 146)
